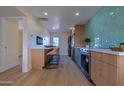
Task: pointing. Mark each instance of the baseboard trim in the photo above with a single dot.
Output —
(8, 66)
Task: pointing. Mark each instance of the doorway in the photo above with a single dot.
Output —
(11, 48)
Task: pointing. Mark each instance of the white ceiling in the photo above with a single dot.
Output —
(9, 11)
(63, 17)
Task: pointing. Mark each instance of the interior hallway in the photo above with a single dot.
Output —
(66, 74)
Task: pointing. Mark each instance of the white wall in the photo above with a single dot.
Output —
(20, 43)
(33, 43)
(31, 27)
(63, 43)
(39, 30)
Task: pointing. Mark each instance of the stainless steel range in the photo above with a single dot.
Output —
(84, 61)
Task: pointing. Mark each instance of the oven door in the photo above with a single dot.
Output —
(85, 62)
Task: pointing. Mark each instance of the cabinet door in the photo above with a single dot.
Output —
(104, 74)
(93, 70)
(108, 75)
(103, 69)
(112, 77)
(98, 73)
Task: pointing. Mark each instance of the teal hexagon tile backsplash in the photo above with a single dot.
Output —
(106, 28)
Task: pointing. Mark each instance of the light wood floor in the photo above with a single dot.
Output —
(66, 75)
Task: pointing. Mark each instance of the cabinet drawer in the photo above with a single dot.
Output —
(109, 59)
(96, 55)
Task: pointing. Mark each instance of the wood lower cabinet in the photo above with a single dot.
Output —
(107, 69)
(112, 75)
(39, 58)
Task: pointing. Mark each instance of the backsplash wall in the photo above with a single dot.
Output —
(106, 28)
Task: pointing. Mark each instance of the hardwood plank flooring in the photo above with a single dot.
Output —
(67, 74)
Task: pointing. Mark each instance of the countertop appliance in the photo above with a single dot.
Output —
(84, 61)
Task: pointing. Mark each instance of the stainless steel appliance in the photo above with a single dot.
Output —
(70, 45)
(84, 61)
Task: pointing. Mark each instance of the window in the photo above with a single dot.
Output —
(55, 41)
(45, 41)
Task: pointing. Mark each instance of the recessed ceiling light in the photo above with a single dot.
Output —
(70, 28)
(77, 14)
(53, 28)
(45, 13)
(56, 27)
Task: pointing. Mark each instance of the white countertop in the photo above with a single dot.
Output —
(78, 47)
(108, 51)
(81, 47)
(42, 47)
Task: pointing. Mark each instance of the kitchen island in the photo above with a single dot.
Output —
(39, 57)
(107, 67)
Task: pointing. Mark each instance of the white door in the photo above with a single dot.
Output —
(12, 42)
(9, 44)
(3, 43)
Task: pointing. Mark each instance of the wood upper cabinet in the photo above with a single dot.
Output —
(107, 69)
(79, 35)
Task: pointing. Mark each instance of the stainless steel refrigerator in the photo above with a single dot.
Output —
(70, 45)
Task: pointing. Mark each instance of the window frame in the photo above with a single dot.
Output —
(53, 40)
